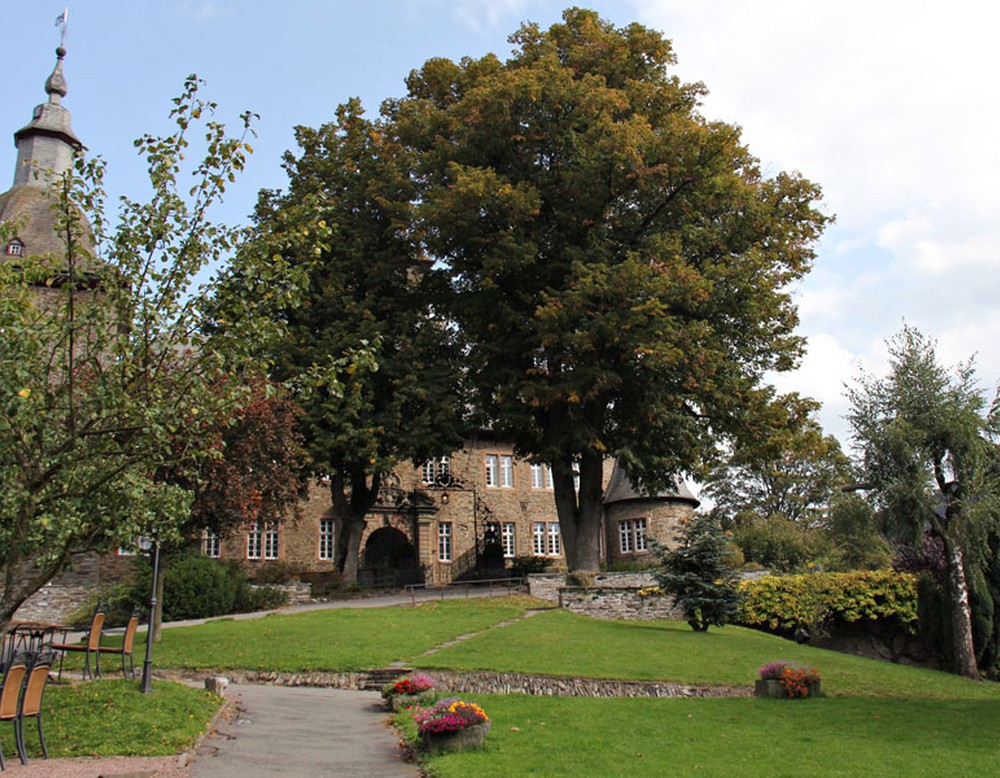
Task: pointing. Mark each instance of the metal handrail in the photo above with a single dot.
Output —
(467, 586)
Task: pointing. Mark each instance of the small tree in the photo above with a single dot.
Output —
(697, 574)
(926, 443)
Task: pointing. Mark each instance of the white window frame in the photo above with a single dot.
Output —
(538, 538)
(541, 476)
(508, 539)
(444, 541)
(506, 471)
(255, 541)
(427, 472)
(327, 539)
(272, 540)
(632, 535)
(554, 539)
(491, 466)
(15, 248)
(211, 544)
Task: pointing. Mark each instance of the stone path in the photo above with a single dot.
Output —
(303, 732)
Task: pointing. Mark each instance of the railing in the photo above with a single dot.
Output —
(491, 587)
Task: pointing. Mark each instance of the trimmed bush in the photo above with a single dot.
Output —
(814, 601)
(197, 587)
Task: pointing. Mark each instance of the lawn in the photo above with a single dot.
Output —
(876, 718)
(113, 718)
(561, 643)
(338, 640)
(574, 737)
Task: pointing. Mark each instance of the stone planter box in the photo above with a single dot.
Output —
(773, 688)
(467, 739)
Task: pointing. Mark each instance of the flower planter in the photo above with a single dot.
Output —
(466, 739)
(772, 687)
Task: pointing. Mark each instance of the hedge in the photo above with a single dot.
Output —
(814, 600)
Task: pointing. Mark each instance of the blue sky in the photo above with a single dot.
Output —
(890, 105)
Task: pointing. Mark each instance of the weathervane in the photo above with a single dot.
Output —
(61, 20)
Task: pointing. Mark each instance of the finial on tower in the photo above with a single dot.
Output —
(55, 84)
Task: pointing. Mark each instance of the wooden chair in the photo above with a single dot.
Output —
(126, 648)
(92, 646)
(10, 694)
(30, 706)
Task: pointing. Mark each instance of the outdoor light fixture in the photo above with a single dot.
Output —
(150, 544)
(444, 498)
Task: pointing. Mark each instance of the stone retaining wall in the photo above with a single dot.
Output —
(617, 596)
(505, 683)
(299, 593)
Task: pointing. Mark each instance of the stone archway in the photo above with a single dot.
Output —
(388, 550)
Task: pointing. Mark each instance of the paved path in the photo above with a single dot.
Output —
(303, 732)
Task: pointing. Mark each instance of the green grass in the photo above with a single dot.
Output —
(113, 718)
(561, 643)
(339, 640)
(573, 737)
(877, 718)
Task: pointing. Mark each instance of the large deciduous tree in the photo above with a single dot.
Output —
(619, 264)
(105, 387)
(924, 435)
(374, 367)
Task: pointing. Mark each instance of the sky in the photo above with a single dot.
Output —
(891, 106)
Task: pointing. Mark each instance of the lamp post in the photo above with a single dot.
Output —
(147, 544)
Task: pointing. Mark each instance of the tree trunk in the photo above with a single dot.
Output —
(580, 513)
(350, 506)
(961, 614)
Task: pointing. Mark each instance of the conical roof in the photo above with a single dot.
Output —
(621, 489)
(46, 148)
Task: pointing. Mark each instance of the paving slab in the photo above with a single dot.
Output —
(305, 732)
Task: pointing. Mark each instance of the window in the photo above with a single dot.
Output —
(538, 538)
(507, 542)
(254, 541)
(436, 471)
(545, 538)
(555, 544)
(576, 476)
(211, 544)
(15, 248)
(126, 551)
(632, 535)
(506, 471)
(271, 541)
(491, 463)
(541, 477)
(444, 541)
(326, 539)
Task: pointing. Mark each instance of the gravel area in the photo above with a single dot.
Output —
(122, 766)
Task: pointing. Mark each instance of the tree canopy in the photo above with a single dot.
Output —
(925, 436)
(106, 386)
(373, 367)
(618, 264)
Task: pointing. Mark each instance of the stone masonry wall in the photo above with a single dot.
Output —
(612, 596)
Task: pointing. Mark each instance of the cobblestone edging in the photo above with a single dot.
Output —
(506, 683)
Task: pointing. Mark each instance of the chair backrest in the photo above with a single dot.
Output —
(9, 694)
(96, 625)
(133, 625)
(34, 688)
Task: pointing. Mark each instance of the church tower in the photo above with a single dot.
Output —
(46, 147)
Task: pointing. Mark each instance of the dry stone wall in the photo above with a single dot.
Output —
(622, 596)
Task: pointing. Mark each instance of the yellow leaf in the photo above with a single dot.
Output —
(24, 393)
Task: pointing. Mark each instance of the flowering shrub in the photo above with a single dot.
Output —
(772, 671)
(412, 684)
(797, 681)
(449, 715)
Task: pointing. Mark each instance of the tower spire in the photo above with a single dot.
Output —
(47, 142)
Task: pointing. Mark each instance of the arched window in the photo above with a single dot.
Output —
(15, 248)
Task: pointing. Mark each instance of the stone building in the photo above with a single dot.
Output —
(477, 509)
